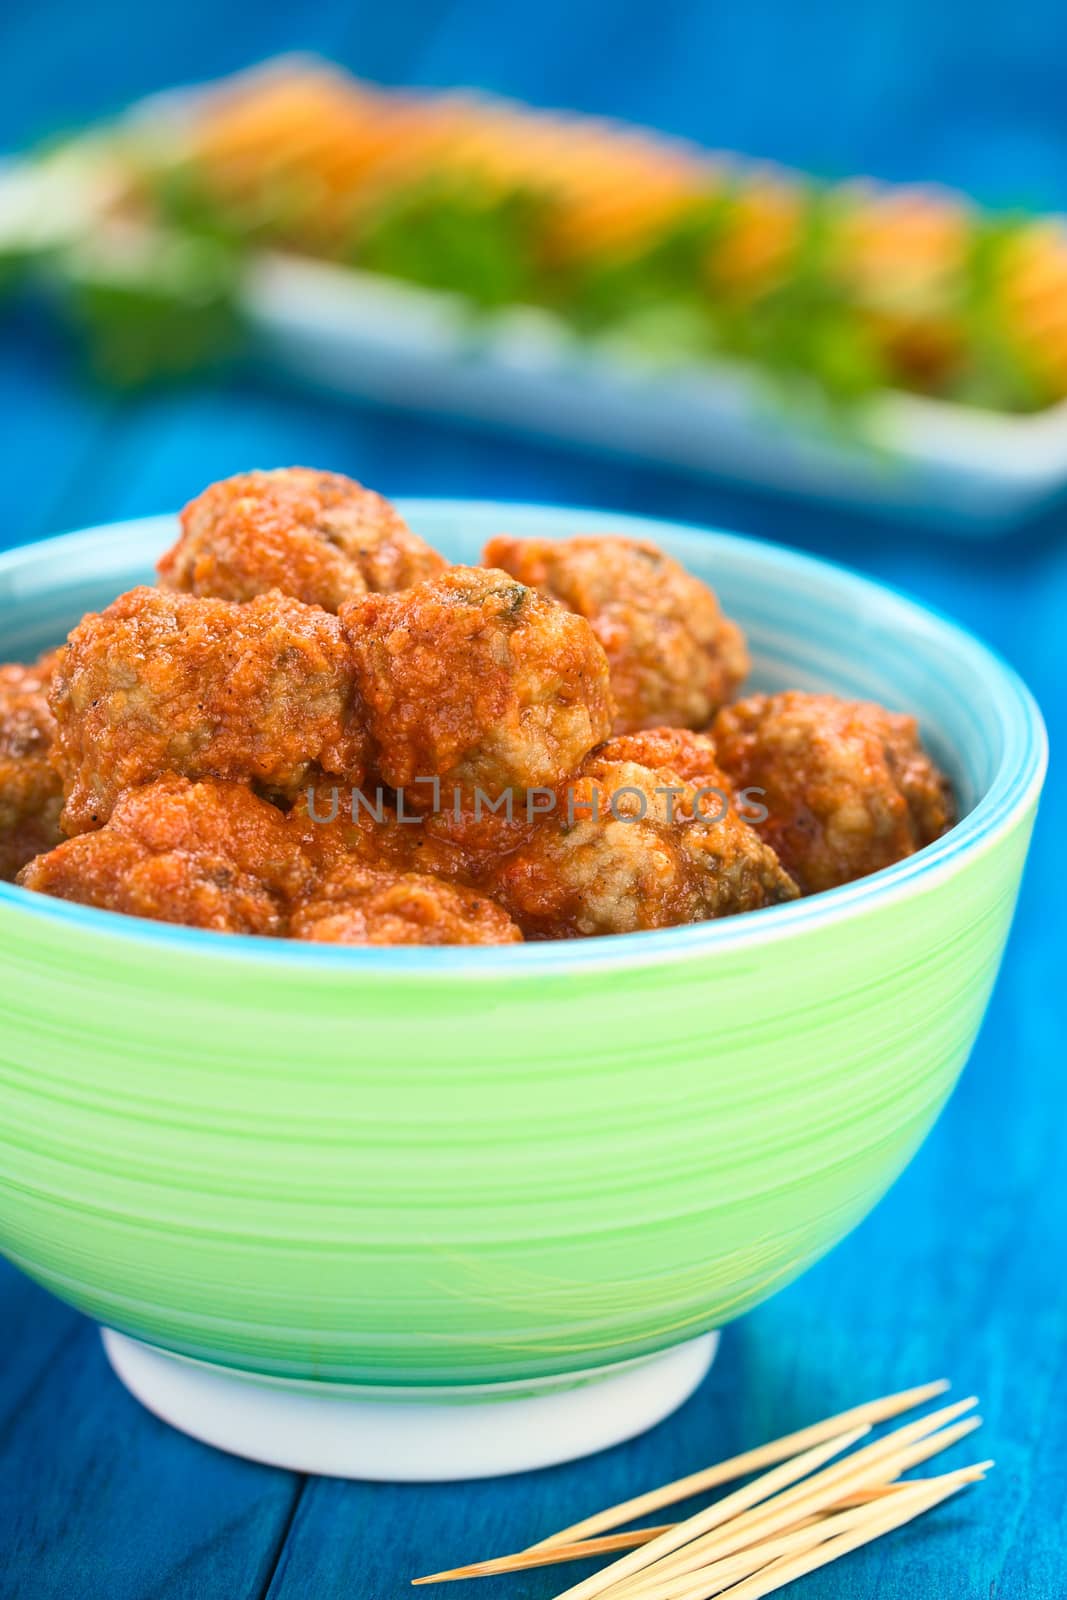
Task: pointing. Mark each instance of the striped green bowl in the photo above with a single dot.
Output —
(432, 1169)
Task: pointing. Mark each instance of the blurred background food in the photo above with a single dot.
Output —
(850, 286)
(572, 274)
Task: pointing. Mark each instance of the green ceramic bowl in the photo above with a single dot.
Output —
(425, 1171)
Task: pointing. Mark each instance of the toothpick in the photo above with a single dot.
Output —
(739, 1466)
(605, 1544)
(538, 1556)
(912, 1498)
(877, 1463)
(860, 1479)
(749, 1494)
(881, 1519)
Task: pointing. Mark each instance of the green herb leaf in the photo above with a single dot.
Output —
(458, 235)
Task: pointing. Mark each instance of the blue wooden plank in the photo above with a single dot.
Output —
(99, 1500)
(757, 78)
(960, 1269)
(36, 1328)
(112, 53)
(161, 451)
(51, 428)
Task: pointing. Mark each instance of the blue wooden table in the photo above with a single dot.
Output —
(961, 1270)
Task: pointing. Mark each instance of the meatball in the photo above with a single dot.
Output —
(317, 536)
(31, 793)
(630, 847)
(691, 756)
(358, 904)
(171, 683)
(477, 681)
(462, 842)
(674, 657)
(847, 785)
(210, 855)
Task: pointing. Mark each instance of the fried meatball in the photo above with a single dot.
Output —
(631, 847)
(358, 904)
(674, 657)
(691, 756)
(172, 683)
(847, 785)
(31, 793)
(209, 855)
(478, 681)
(317, 536)
(461, 843)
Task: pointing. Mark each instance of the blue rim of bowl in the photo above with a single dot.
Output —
(1016, 786)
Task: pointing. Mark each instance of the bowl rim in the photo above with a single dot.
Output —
(1015, 787)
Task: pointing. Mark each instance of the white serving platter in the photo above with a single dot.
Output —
(954, 467)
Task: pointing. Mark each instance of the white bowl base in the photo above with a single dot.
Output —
(409, 1435)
